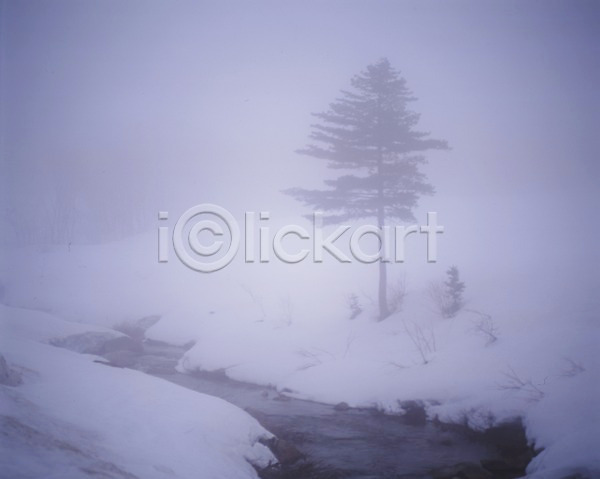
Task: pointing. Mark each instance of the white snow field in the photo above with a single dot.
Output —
(288, 326)
(71, 417)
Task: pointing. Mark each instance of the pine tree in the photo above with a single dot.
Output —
(454, 289)
(370, 130)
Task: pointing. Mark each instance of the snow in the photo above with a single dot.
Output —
(570, 437)
(366, 363)
(139, 424)
(279, 325)
(43, 327)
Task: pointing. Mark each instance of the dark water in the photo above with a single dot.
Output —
(355, 443)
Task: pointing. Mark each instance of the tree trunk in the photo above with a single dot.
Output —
(383, 304)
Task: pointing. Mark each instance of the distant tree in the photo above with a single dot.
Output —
(454, 289)
(370, 130)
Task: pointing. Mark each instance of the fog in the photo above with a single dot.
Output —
(112, 112)
(169, 106)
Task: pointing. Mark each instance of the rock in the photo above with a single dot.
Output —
(414, 413)
(122, 343)
(99, 343)
(85, 343)
(341, 406)
(8, 376)
(4, 370)
(285, 452)
(137, 329)
(148, 321)
(105, 363)
(281, 397)
(121, 359)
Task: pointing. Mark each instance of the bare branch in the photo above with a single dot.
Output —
(515, 383)
(425, 343)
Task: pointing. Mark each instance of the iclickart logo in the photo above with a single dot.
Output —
(217, 225)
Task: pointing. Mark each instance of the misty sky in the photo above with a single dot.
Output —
(195, 102)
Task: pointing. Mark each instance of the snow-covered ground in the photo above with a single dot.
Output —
(72, 417)
(288, 326)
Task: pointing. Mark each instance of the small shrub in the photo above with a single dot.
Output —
(514, 382)
(485, 326)
(447, 296)
(396, 296)
(454, 288)
(424, 340)
(573, 368)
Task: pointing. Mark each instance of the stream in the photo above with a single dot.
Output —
(321, 441)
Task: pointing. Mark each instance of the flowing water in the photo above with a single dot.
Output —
(353, 443)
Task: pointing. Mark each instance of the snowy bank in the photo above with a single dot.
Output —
(289, 326)
(548, 375)
(79, 417)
